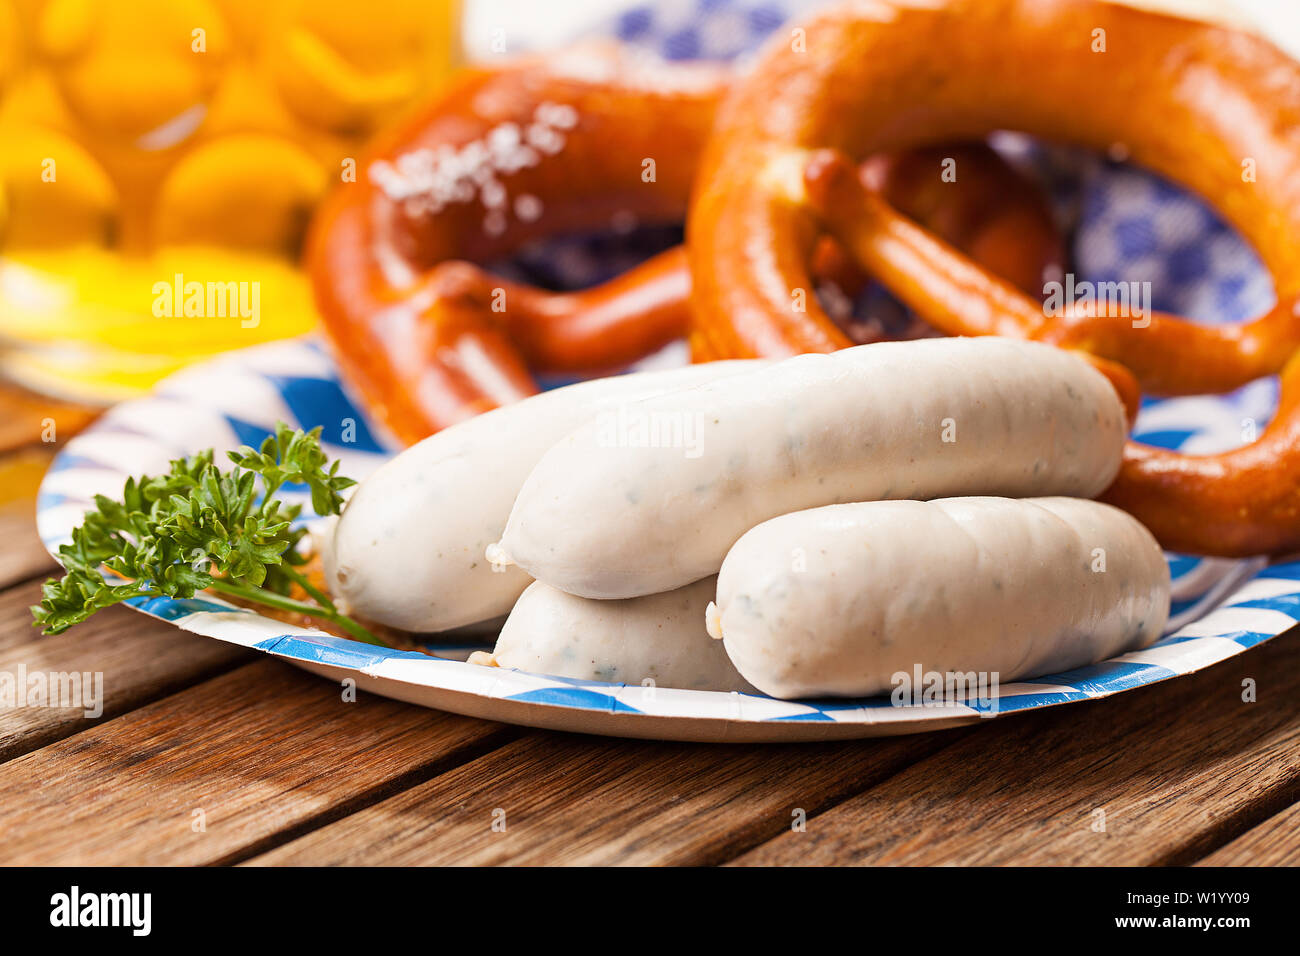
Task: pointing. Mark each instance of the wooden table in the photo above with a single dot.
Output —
(206, 753)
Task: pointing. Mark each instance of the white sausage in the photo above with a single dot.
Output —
(836, 600)
(408, 550)
(660, 638)
(607, 514)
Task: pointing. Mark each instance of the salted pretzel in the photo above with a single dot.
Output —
(504, 156)
(586, 140)
(1200, 104)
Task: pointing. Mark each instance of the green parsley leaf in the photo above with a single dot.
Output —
(196, 528)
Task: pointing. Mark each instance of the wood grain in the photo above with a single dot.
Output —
(21, 554)
(131, 658)
(1178, 769)
(584, 800)
(255, 755)
(16, 617)
(27, 418)
(1275, 842)
(31, 425)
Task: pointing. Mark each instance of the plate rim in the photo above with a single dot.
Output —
(755, 718)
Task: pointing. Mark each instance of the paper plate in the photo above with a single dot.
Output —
(1221, 608)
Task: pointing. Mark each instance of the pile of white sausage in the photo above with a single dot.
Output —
(807, 540)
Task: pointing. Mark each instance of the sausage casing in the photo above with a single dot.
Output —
(838, 600)
(610, 512)
(408, 550)
(658, 639)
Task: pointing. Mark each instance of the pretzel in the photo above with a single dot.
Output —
(503, 157)
(991, 212)
(552, 145)
(1200, 104)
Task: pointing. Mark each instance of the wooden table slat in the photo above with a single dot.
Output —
(581, 800)
(27, 418)
(131, 658)
(22, 555)
(1275, 842)
(1177, 769)
(255, 755)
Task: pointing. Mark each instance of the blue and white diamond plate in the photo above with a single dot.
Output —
(1126, 224)
(1222, 607)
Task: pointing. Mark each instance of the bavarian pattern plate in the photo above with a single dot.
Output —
(1221, 608)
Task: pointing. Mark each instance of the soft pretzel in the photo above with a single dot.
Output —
(582, 141)
(991, 212)
(1202, 105)
(503, 157)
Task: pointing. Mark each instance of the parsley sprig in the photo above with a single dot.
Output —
(197, 528)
